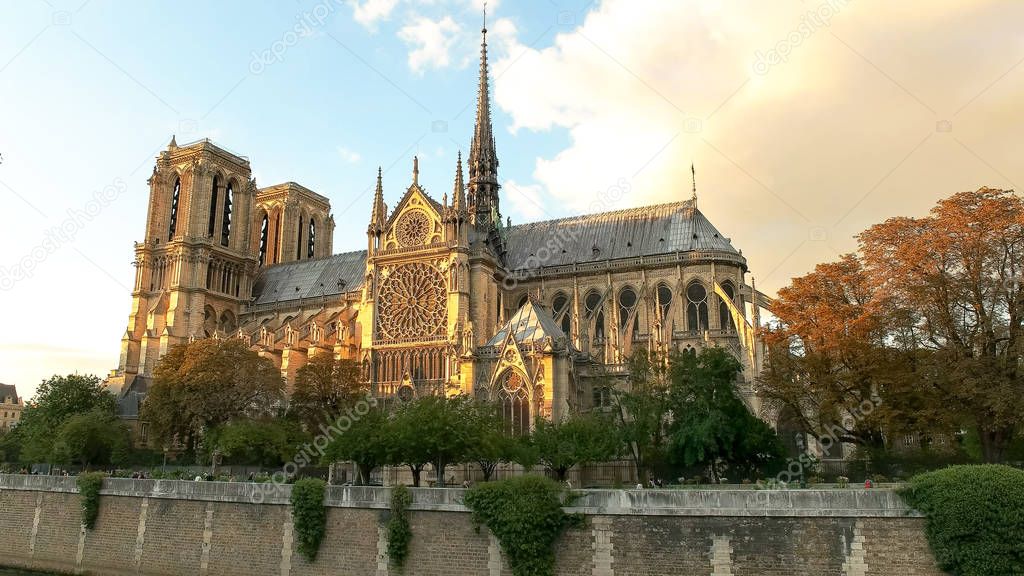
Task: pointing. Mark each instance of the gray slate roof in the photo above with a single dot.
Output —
(8, 391)
(310, 278)
(645, 231)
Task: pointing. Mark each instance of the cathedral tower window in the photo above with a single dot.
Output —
(298, 240)
(724, 315)
(225, 231)
(212, 221)
(312, 238)
(595, 312)
(264, 230)
(696, 307)
(175, 195)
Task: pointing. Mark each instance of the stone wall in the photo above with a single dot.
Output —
(160, 527)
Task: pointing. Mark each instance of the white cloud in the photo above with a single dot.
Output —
(431, 42)
(370, 12)
(527, 199)
(350, 156)
(644, 87)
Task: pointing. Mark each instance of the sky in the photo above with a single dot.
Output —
(807, 121)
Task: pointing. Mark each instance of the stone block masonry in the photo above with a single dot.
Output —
(170, 528)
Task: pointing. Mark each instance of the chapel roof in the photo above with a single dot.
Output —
(8, 391)
(530, 324)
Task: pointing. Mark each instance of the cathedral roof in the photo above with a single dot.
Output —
(644, 231)
(310, 278)
(529, 324)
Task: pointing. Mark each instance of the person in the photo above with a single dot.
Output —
(465, 483)
(198, 478)
(868, 484)
(639, 486)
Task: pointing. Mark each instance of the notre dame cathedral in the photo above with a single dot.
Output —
(447, 298)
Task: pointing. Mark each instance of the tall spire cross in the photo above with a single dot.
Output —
(693, 175)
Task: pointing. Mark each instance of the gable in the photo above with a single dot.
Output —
(416, 221)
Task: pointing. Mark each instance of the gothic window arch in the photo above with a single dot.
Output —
(298, 239)
(664, 300)
(514, 401)
(560, 308)
(175, 196)
(595, 312)
(212, 216)
(209, 321)
(696, 307)
(724, 315)
(310, 249)
(627, 305)
(225, 226)
(264, 230)
(227, 323)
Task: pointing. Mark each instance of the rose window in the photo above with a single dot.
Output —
(412, 303)
(413, 228)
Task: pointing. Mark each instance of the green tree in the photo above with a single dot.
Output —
(710, 425)
(579, 439)
(206, 383)
(324, 388)
(641, 410)
(491, 444)
(266, 442)
(56, 401)
(365, 442)
(433, 429)
(94, 438)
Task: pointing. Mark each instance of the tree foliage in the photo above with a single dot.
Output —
(309, 516)
(324, 388)
(89, 491)
(923, 324)
(975, 518)
(525, 514)
(710, 425)
(206, 383)
(58, 400)
(399, 531)
(366, 442)
(578, 439)
(266, 442)
(97, 437)
(432, 429)
(641, 410)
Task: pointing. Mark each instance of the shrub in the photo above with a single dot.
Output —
(309, 517)
(526, 516)
(399, 533)
(89, 488)
(975, 517)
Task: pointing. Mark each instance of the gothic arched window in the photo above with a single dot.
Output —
(627, 303)
(212, 220)
(724, 315)
(560, 308)
(664, 300)
(225, 229)
(514, 402)
(312, 237)
(595, 311)
(175, 195)
(298, 240)
(264, 229)
(696, 307)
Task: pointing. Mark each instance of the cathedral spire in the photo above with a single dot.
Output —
(416, 170)
(379, 211)
(458, 194)
(483, 158)
(693, 178)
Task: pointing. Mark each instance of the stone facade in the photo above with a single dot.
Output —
(170, 528)
(449, 297)
(11, 406)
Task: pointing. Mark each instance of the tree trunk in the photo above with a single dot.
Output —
(993, 445)
(364, 474)
(487, 467)
(440, 472)
(416, 470)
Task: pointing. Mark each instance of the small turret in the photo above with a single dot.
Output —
(377, 216)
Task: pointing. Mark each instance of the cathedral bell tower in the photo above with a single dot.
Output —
(194, 269)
